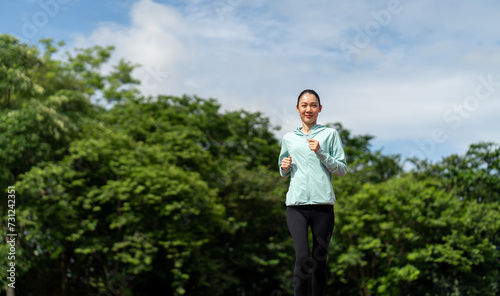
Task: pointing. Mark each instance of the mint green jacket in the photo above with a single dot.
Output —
(311, 172)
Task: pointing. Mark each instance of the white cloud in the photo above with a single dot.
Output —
(157, 38)
(259, 55)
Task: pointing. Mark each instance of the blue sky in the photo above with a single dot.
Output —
(421, 76)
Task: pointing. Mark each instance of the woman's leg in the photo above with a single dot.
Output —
(322, 223)
(298, 225)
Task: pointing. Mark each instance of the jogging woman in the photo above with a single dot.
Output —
(310, 155)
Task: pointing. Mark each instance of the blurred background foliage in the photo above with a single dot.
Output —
(170, 194)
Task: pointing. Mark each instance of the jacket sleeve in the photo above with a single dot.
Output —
(335, 160)
(283, 153)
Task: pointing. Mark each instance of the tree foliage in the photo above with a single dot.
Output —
(410, 237)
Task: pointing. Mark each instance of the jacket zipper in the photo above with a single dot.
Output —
(308, 169)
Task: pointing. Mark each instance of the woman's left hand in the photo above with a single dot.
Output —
(313, 145)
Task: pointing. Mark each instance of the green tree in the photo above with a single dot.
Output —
(255, 243)
(108, 207)
(473, 176)
(46, 100)
(196, 196)
(409, 237)
(45, 105)
(16, 61)
(364, 164)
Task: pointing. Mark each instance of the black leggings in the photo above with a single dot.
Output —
(321, 218)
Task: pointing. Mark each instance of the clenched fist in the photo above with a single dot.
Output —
(313, 145)
(286, 163)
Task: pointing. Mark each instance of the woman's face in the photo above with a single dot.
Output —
(308, 108)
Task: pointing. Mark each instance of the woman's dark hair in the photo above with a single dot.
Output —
(308, 91)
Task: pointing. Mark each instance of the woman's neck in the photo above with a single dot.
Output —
(306, 128)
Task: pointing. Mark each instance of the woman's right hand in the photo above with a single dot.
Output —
(286, 163)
